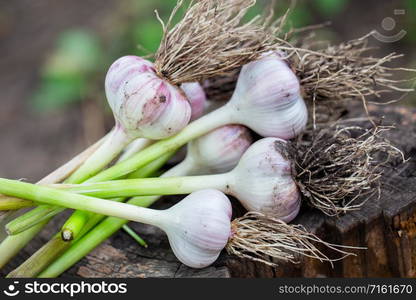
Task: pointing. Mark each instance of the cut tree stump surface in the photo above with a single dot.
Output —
(386, 227)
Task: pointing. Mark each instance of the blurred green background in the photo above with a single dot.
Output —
(80, 53)
(55, 53)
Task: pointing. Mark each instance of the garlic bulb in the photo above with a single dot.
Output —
(268, 100)
(196, 97)
(144, 104)
(216, 152)
(198, 227)
(263, 181)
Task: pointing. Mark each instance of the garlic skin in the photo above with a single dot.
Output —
(198, 227)
(218, 151)
(268, 90)
(196, 97)
(263, 181)
(143, 104)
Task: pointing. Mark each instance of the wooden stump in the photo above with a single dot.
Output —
(385, 226)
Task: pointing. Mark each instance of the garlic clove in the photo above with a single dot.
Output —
(144, 104)
(268, 90)
(263, 180)
(199, 227)
(197, 98)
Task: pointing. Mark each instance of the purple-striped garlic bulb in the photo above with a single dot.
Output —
(268, 100)
(143, 104)
(197, 99)
(263, 181)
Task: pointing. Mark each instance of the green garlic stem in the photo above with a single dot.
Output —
(134, 235)
(104, 230)
(91, 240)
(135, 147)
(13, 244)
(215, 119)
(32, 218)
(12, 203)
(75, 201)
(150, 186)
(112, 146)
(70, 167)
(73, 226)
(56, 246)
(108, 150)
(50, 251)
(203, 125)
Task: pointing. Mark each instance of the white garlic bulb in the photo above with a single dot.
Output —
(263, 181)
(198, 227)
(267, 98)
(216, 152)
(144, 104)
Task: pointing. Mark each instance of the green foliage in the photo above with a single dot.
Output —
(148, 35)
(300, 16)
(410, 20)
(65, 75)
(58, 92)
(329, 8)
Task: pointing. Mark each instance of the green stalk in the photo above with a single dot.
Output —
(135, 236)
(10, 246)
(108, 150)
(112, 146)
(74, 224)
(128, 188)
(150, 186)
(103, 231)
(13, 244)
(56, 246)
(200, 127)
(12, 203)
(51, 250)
(75, 201)
(60, 174)
(203, 125)
(30, 219)
(90, 241)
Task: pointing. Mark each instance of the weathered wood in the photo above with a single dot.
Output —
(387, 227)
